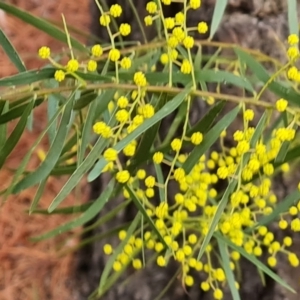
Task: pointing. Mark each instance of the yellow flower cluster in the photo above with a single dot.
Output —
(293, 54)
(177, 224)
(184, 221)
(177, 31)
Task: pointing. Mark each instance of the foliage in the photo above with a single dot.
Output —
(106, 105)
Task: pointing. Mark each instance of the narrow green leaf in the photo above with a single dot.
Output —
(3, 127)
(72, 141)
(165, 111)
(52, 104)
(53, 155)
(281, 207)
(231, 187)
(29, 124)
(88, 215)
(79, 173)
(91, 157)
(85, 100)
(290, 156)
(228, 271)
(63, 211)
(86, 131)
(213, 76)
(117, 251)
(147, 140)
(63, 170)
(102, 102)
(203, 126)
(262, 74)
(161, 182)
(177, 121)
(209, 139)
(42, 25)
(38, 195)
(206, 122)
(11, 52)
(254, 261)
(282, 152)
(293, 17)
(142, 210)
(198, 59)
(212, 59)
(221, 206)
(217, 16)
(15, 135)
(28, 77)
(25, 161)
(17, 111)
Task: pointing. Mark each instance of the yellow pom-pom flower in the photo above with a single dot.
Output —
(189, 280)
(122, 102)
(188, 42)
(148, 20)
(129, 150)
(292, 53)
(139, 79)
(114, 55)
(92, 65)
(72, 65)
(125, 29)
(107, 249)
(97, 50)
(293, 39)
(218, 294)
(205, 286)
(197, 138)
(248, 115)
(179, 174)
(137, 264)
(102, 129)
(178, 33)
(169, 23)
(141, 174)
(202, 27)
(161, 211)
(176, 144)
(151, 7)
(44, 52)
(123, 176)
(158, 157)
(59, 75)
(293, 259)
(172, 42)
(147, 111)
(150, 181)
(161, 261)
(117, 266)
(110, 154)
(179, 18)
(115, 10)
(164, 58)
(281, 105)
(122, 115)
(195, 4)
(186, 67)
(105, 20)
(125, 63)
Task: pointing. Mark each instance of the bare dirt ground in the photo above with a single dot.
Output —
(28, 270)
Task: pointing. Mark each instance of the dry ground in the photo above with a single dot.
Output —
(28, 270)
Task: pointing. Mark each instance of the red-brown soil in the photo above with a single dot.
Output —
(34, 270)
